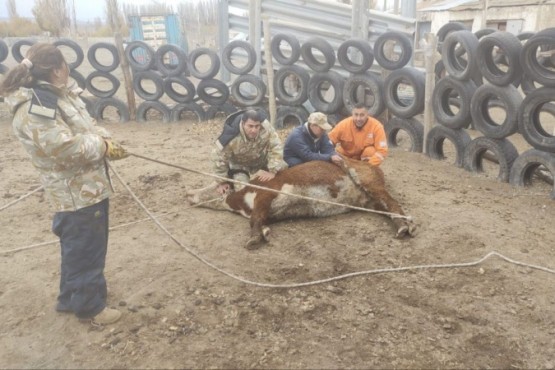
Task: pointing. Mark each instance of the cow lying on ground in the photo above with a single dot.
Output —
(356, 184)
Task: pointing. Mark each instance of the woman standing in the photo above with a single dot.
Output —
(70, 152)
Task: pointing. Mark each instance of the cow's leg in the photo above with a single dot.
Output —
(260, 232)
(383, 201)
(374, 185)
(372, 181)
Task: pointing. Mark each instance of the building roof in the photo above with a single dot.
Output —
(442, 5)
(436, 6)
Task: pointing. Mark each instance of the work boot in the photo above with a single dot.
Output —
(107, 316)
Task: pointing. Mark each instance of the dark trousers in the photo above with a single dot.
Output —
(84, 240)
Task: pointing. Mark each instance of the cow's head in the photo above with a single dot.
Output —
(208, 197)
(240, 202)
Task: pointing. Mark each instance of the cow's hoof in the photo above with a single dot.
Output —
(266, 233)
(192, 199)
(254, 243)
(412, 229)
(405, 231)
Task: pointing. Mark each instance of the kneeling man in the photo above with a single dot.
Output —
(247, 148)
(310, 142)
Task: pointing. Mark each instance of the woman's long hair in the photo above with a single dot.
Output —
(44, 58)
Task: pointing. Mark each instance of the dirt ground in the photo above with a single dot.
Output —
(178, 312)
(181, 313)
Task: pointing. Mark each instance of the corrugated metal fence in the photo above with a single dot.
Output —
(332, 20)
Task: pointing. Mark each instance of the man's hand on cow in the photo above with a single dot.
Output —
(223, 188)
(264, 175)
(336, 159)
(367, 160)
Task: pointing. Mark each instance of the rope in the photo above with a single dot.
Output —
(281, 286)
(20, 198)
(393, 215)
(111, 229)
(321, 281)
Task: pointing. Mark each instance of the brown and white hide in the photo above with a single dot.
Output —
(355, 184)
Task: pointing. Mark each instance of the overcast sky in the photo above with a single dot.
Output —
(85, 10)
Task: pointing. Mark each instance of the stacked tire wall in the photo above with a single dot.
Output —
(493, 69)
(477, 73)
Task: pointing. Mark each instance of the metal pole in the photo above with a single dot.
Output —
(430, 61)
(257, 34)
(74, 18)
(223, 34)
(356, 19)
(408, 8)
(269, 70)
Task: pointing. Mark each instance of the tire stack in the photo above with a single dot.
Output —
(403, 89)
(167, 71)
(361, 85)
(453, 92)
(498, 90)
(176, 84)
(295, 85)
(148, 79)
(102, 98)
(247, 90)
(537, 102)
(290, 81)
(213, 92)
(323, 80)
(484, 71)
(105, 98)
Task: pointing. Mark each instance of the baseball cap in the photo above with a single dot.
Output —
(319, 119)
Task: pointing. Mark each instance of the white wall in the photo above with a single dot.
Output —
(534, 18)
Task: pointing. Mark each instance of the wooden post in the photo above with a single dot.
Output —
(485, 14)
(113, 12)
(126, 76)
(389, 53)
(430, 61)
(269, 69)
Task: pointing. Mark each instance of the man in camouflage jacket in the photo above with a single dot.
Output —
(248, 148)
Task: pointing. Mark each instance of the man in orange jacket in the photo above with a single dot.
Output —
(360, 137)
